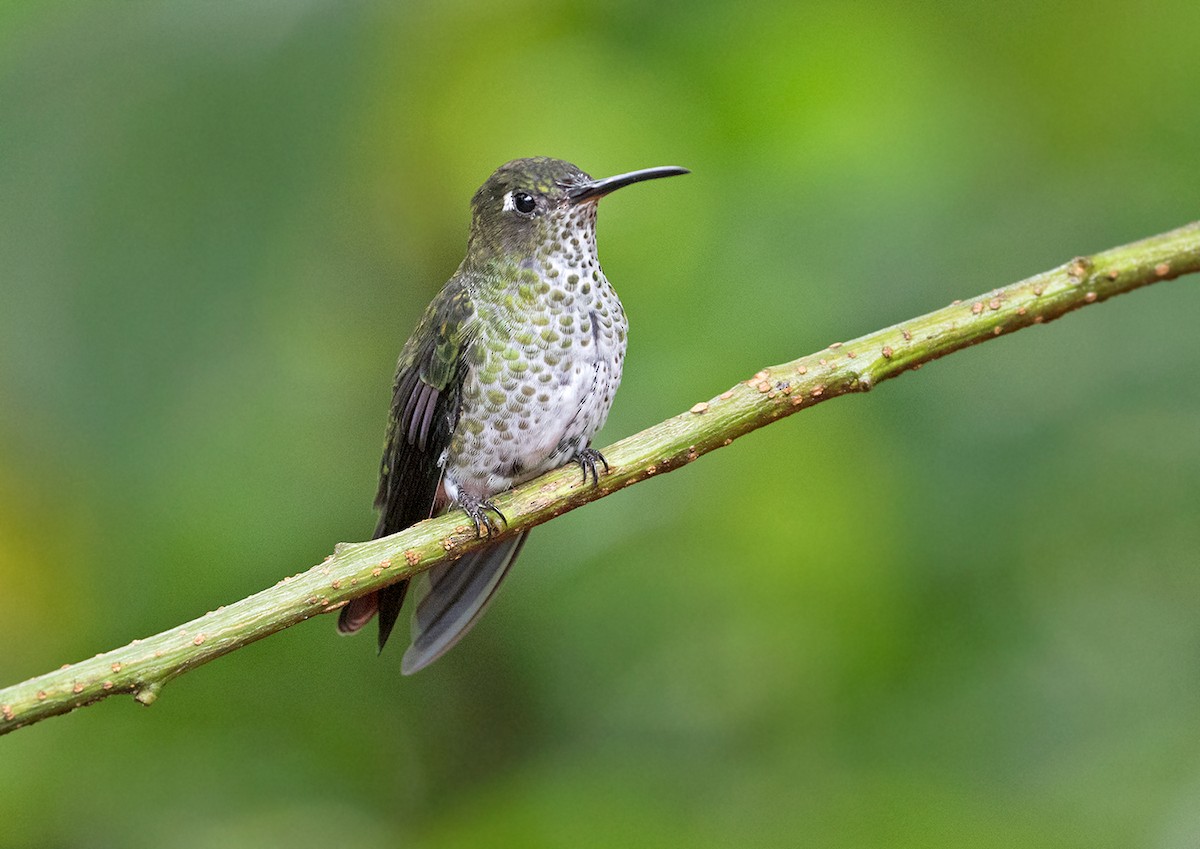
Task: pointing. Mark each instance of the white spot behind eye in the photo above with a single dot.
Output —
(508, 202)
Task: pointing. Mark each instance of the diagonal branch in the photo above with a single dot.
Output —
(144, 666)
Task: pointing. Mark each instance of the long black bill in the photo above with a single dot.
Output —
(599, 188)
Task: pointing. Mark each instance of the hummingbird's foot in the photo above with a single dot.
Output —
(477, 509)
(587, 461)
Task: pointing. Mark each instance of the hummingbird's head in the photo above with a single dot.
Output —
(531, 205)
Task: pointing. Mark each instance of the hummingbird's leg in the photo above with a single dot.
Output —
(587, 461)
(477, 510)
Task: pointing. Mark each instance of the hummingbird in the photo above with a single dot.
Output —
(509, 373)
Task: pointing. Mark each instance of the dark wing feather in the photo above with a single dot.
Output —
(424, 411)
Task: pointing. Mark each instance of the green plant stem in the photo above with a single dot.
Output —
(144, 666)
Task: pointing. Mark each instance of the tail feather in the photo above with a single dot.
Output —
(357, 613)
(391, 599)
(453, 598)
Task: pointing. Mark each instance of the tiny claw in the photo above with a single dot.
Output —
(490, 506)
(587, 462)
(477, 511)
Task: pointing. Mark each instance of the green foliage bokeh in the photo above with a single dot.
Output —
(959, 611)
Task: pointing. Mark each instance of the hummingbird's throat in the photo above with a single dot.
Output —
(569, 241)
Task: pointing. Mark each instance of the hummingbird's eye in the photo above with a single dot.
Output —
(523, 202)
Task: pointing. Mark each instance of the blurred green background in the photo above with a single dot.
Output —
(959, 611)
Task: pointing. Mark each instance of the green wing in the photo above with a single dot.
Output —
(426, 397)
(425, 407)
